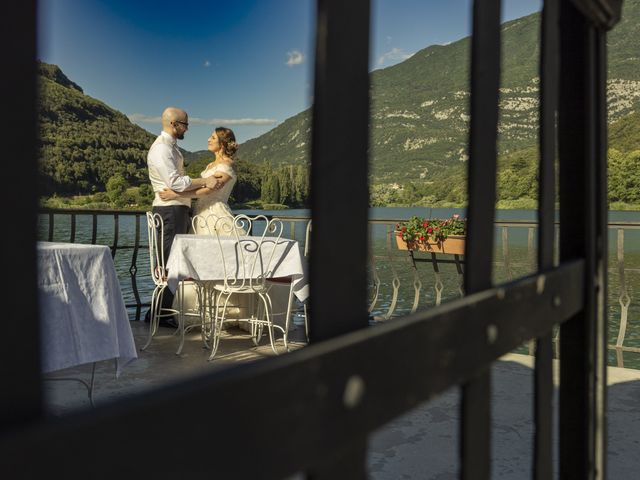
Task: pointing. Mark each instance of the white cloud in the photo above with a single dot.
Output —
(232, 121)
(393, 55)
(140, 117)
(206, 63)
(294, 57)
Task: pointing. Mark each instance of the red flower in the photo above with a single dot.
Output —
(404, 229)
(430, 230)
(422, 238)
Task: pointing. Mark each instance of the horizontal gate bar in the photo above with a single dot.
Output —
(307, 403)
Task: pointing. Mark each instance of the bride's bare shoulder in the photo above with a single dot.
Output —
(226, 164)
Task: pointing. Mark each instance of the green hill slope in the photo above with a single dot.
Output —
(624, 135)
(419, 122)
(83, 142)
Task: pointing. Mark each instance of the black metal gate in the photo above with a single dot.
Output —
(312, 410)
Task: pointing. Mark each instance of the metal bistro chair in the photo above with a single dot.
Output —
(205, 293)
(247, 263)
(155, 230)
(307, 246)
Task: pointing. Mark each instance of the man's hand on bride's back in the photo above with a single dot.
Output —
(168, 194)
(215, 181)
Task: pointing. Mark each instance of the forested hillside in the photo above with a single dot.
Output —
(419, 130)
(420, 121)
(84, 142)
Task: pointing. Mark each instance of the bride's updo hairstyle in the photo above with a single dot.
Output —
(227, 140)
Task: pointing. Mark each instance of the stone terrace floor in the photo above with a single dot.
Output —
(419, 445)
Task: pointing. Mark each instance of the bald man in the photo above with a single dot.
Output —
(166, 170)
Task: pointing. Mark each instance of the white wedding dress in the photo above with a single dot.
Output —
(208, 210)
(215, 203)
(239, 306)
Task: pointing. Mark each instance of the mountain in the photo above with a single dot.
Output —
(83, 142)
(420, 118)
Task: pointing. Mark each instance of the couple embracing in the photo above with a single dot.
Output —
(174, 190)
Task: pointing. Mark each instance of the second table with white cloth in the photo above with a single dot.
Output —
(197, 257)
(83, 318)
(82, 314)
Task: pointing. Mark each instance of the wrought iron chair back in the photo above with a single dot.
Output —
(155, 233)
(252, 267)
(206, 223)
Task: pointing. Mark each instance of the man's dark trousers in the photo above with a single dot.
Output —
(176, 221)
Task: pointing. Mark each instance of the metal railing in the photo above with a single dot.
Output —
(114, 244)
(401, 268)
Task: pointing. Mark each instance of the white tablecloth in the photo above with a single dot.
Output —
(198, 257)
(82, 314)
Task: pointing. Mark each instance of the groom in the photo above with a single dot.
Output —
(166, 170)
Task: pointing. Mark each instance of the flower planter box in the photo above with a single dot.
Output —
(452, 245)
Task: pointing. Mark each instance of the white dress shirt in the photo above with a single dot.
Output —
(166, 169)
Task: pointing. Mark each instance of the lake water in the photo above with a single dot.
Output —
(513, 258)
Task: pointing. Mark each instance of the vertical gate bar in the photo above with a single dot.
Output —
(116, 232)
(601, 339)
(571, 139)
(72, 235)
(475, 443)
(543, 375)
(51, 220)
(21, 398)
(94, 228)
(582, 150)
(133, 269)
(340, 123)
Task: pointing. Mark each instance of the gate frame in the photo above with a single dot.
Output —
(319, 404)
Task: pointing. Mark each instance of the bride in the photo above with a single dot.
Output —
(212, 204)
(222, 143)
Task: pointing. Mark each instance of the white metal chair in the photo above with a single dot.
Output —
(155, 230)
(246, 268)
(307, 246)
(206, 297)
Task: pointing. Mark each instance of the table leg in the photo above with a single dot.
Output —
(89, 386)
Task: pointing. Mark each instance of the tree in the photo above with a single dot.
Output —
(145, 193)
(116, 187)
(285, 182)
(301, 185)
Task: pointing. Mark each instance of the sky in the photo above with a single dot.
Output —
(246, 65)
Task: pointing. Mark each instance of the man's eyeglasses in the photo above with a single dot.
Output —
(186, 124)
